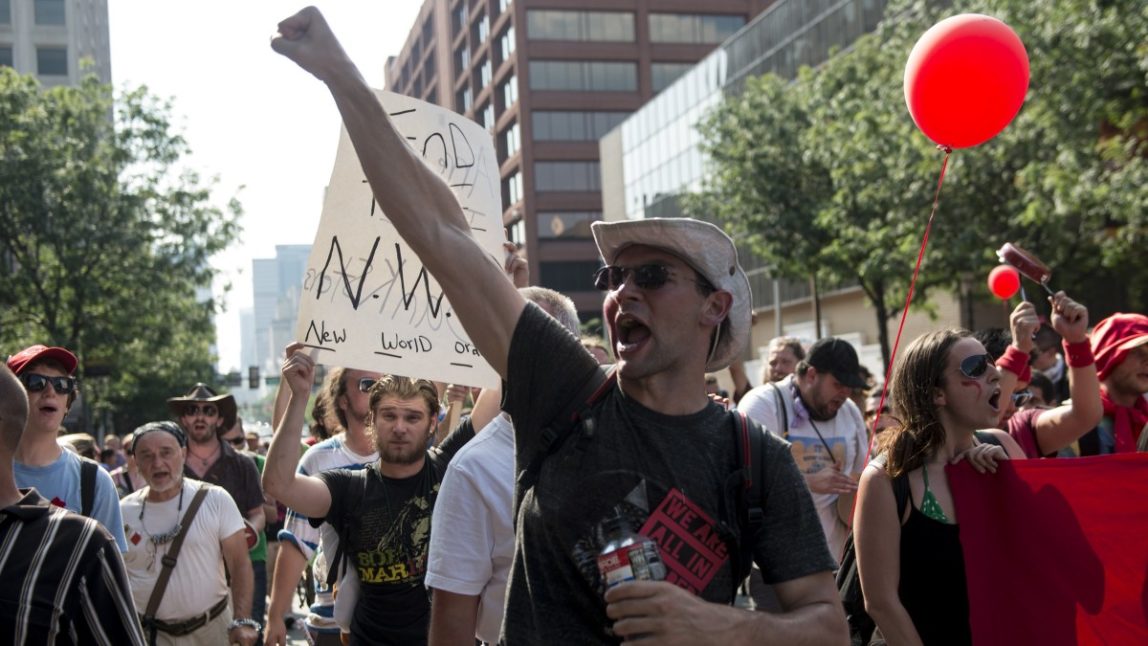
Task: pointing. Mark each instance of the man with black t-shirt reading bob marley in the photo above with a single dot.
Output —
(677, 305)
(382, 513)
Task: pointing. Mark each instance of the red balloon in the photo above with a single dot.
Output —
(966, 79)
(1004, 282)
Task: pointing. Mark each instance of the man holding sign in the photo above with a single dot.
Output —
(678, 304)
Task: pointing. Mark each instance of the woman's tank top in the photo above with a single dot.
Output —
(932, 587)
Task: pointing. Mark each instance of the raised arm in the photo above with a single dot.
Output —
(1063, 425)
(416, 200)
(1013, 365)
(307, 495)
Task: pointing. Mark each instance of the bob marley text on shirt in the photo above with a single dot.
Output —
(392, 550)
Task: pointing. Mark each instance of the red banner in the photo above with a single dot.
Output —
(1056, 551)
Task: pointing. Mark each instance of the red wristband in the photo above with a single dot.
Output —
(1078, 355)
(1016, 362)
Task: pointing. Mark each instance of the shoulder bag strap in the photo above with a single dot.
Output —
(169, 559)
(356, 493)
(781, 410)
(87, 486)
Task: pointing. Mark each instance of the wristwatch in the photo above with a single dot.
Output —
(250, 623)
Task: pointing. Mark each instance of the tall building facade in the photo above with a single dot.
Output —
(276, 285)
(653, 157)
(49, 38)
(547, 79)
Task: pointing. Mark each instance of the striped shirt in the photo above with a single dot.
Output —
(63, 580)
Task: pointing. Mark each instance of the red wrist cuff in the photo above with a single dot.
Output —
(1078, 355)
(1016, 362)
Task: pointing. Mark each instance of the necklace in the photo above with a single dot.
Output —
(205, 462)
(168, 536)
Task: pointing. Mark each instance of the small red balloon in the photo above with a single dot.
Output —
(1004, 282)
(966, 79)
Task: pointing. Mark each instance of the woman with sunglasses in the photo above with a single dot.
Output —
(944, 387)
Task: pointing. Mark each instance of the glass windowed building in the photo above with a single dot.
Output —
(653, 157)
(659, 142)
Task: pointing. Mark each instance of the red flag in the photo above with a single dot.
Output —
(1056, 551)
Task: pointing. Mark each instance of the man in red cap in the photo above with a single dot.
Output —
(48, 374)
(1120, 345)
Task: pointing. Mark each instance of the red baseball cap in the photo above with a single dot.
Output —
(34, 353)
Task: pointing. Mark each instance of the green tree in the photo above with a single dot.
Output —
(1066, 179)
(104, 240)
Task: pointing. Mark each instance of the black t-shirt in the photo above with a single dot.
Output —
(667, 474)
(388, 543)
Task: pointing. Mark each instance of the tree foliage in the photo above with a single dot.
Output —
(104, 241)
(827, 172)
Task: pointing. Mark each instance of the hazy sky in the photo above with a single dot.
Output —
(251, 117)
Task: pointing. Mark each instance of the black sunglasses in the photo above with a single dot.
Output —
(366, 383)
(974, 367)
(237, 441)
(651, 276)
(36, 382)
(208, 410)
(1021, 398)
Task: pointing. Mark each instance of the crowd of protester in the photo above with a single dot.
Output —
(418, 525)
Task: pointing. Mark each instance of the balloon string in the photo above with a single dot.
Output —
(908, 300)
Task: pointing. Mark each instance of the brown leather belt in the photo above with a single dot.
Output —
(188, 626)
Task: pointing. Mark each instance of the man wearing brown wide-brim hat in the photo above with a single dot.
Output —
(204, 415)
(202, 393)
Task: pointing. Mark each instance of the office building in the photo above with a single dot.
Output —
(276, 285)
(547, 79)
(653, 157)
(49, 38)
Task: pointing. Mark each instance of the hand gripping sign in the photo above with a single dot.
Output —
(367, 301)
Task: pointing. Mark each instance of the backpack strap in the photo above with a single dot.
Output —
(781, 410)
(88, 470)
(356, 493)
(169, 561)
(984, 437)
(749, 440)
(577, 412)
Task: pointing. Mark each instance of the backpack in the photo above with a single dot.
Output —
(748, 438)
(861, 625)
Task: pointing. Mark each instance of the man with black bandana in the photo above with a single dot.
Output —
(826, 431)
(677, 305)
(202, 603)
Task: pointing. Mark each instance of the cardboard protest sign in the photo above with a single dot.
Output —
(367, 301)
